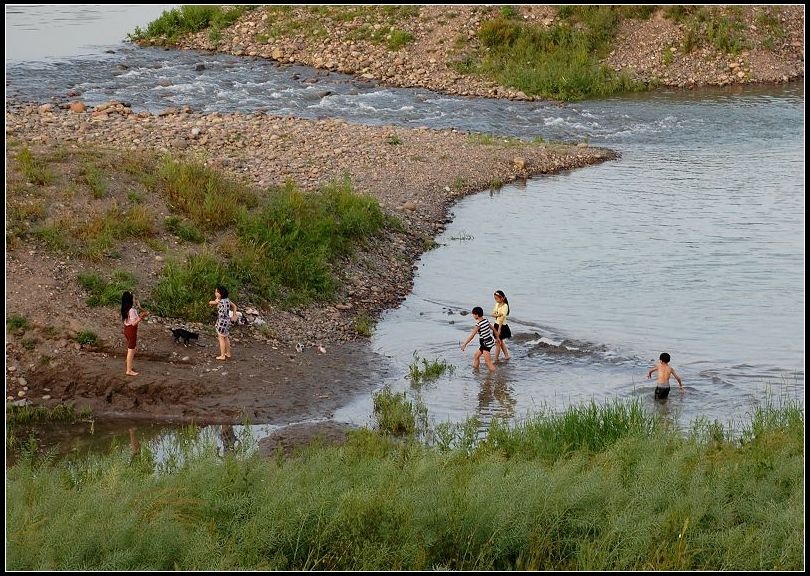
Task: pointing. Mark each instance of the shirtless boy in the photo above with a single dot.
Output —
(664, 372)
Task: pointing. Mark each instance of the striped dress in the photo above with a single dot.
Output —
(485, 336)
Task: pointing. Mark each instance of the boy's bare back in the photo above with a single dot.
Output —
(665, 371)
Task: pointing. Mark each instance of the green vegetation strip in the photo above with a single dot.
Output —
(603, 488)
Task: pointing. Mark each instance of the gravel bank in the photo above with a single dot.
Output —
(651, 50)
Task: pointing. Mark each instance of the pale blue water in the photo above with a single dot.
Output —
(691, 243)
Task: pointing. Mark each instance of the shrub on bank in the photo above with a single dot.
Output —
(280, 252)
(561, 62)
(188, 19)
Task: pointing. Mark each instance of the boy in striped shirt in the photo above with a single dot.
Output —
(486, 340)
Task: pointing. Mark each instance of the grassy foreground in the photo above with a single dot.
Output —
(596, 488)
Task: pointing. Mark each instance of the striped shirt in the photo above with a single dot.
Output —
(485, 332)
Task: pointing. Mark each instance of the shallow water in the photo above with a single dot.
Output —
(691, 243)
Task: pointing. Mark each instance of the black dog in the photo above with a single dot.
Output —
(185, 335)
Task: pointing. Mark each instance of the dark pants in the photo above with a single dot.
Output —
(661, 393)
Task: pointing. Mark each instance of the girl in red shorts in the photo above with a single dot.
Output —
(131, 319)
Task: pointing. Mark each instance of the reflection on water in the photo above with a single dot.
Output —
(495, 399)
(39, 31)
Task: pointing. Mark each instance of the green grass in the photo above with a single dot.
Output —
(286, 245)
(103, 292)
(97, 235)
(184, 230)
(20, 415)
(35, 169)
(398, 416)
(16, 323)
(95, 179)
(364, 324)
(100, 236)
(620, 492)
(174, 23)
(206, 197)
(87, 337)
(398, 38)
(710, 26)
(281, 254)
(560, 62)
(187, 286)
(430, 370)
(563, 61)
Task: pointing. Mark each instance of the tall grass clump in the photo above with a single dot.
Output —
(560, 62)
(87, 337)
(183, 230)
(209, 199)
(185, 288)
(286, 246)
(187, 19)
(94, 178)
(590, 427)
(633, 498)
(105, 292)
(364, 324)
(398, 38)
(398, 416)
(282, 252)
(430, 370)
(35, 170)
(21, 415)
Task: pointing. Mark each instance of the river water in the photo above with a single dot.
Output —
(691, 243)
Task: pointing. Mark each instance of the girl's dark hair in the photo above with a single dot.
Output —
(127, 300)
(505, 299)
(223, 292)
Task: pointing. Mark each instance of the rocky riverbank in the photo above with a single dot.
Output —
(652, 50)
